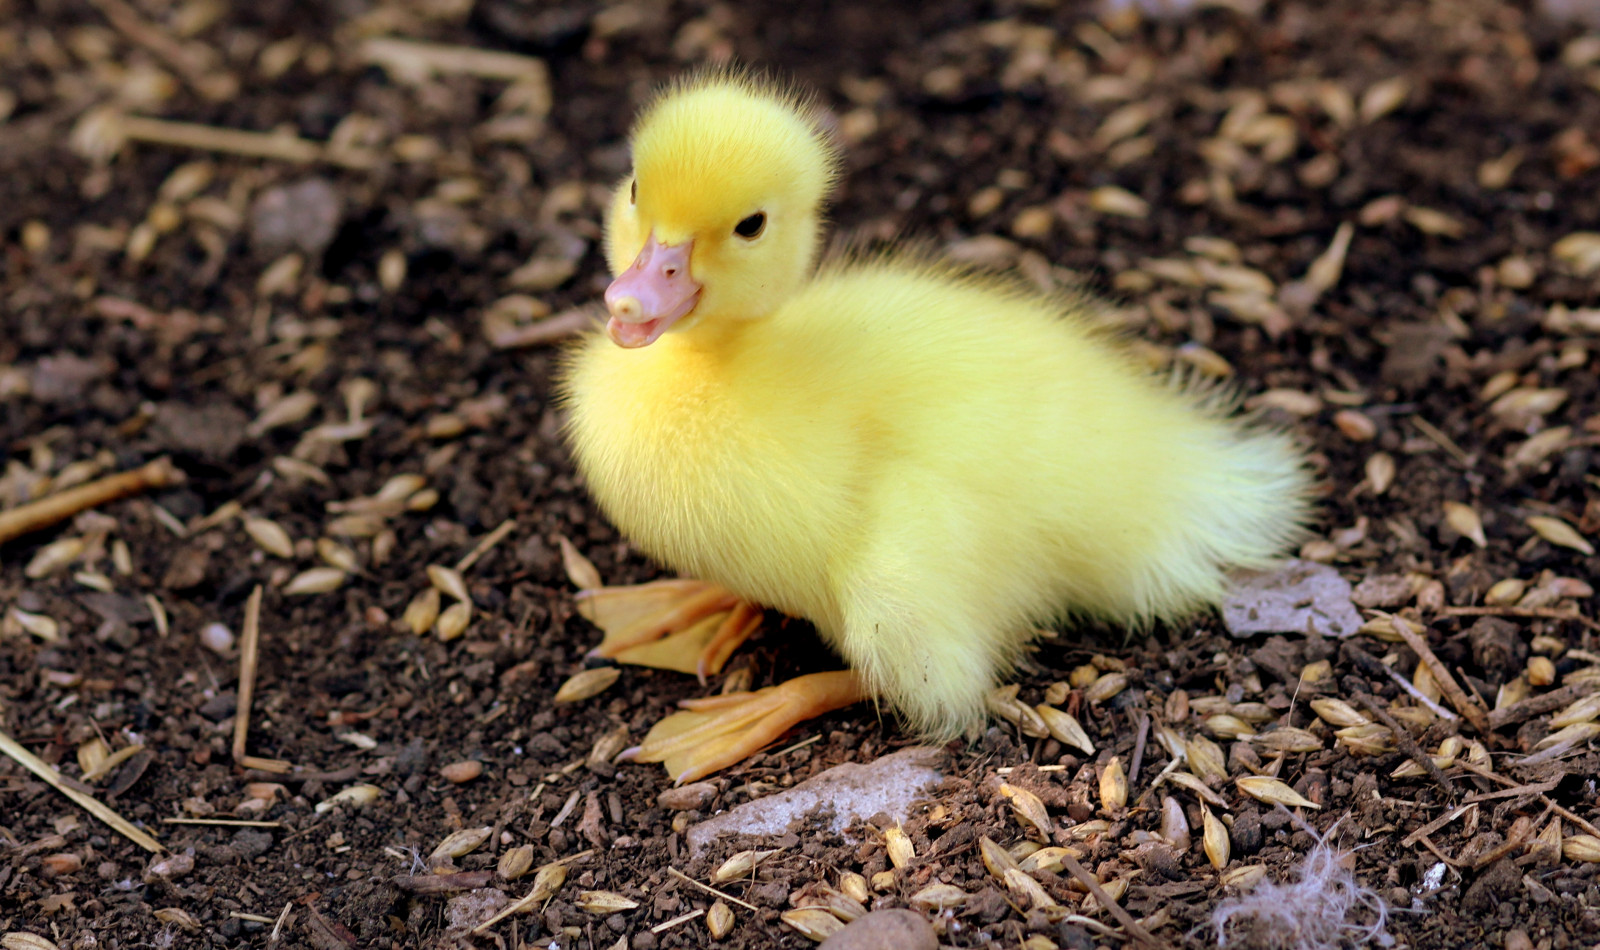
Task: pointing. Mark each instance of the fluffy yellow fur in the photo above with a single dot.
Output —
(924, 463)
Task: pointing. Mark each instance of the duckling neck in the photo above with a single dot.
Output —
(715, 338)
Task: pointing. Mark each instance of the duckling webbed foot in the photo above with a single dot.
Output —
(683, 625)
(713, 733)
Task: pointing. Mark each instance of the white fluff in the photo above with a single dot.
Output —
(1313, 913)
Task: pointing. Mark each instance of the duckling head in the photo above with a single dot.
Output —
(721, 217)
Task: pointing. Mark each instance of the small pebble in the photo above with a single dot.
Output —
(466, 770)
(685, 797)
(897, 928)
(216, 638)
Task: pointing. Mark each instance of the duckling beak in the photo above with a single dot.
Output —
(652, 294)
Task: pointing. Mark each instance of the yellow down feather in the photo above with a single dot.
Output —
(925, 463)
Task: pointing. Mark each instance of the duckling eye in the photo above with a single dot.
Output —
(750, 228)
(633, 192)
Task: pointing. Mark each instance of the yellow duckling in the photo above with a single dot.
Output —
(924, 462)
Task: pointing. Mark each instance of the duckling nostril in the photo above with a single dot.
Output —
(627, 308)
(669, 272)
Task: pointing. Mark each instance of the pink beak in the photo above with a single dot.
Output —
(652, 294)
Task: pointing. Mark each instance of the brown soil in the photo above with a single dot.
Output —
(154, 306)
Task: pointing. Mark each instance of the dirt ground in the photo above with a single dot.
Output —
(1378, 217)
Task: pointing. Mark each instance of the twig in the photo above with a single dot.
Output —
(1372, 664)
(1407, 744)
(215, 86)
(1516, 791)
(278, 146)
(277, 928)
(86, 801)
(249, 654)
(711, 890)
(548, 330)
(1137, 758)
(1563, 812)
(1464, 704)
(1115, 909)
(1532, 613)
(52, 509)
(1435, 825)
(486, 544)
(414, 61)
(1443, 441)
(1538, 705)
(680, 919)
(223, 822)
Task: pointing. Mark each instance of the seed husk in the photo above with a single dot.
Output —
(337, 555)
(854, 886)
(1586, 709)
(1214, 839)
(1205, 759)
(1287, 739)
(54, 556)
(1243, 878)
(1380, 472)
(356, 796)
(719, 920)
(1567, 738)
(1505, 592)
(1105, 687)
(1584, 848)
(1114, 785)
(1356, 426)
(1559, 533)
(1065, 728)
(898, 844)
(22, 940)
(422, 612)
(1110, 199)
(995, 858)
(1175, 824)
(1029, 810)
(1002, 702)
(453, 620)
(812, 922)
(1047, 859)
(1464, 519)
(1266, 789)
(1383, 97)
(458, 773)
(449, 581)
(740, 866)
(1338, 713)
(587, 684)
(317, 580)
(1541, 672)
(1228, 726)
(939, 897)
(270, 537)
(604, 902)
(459, 843)
(515, 863)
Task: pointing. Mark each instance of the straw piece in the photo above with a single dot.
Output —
(88, 802)
(249, 655)
(1464, 704)
(53, 509)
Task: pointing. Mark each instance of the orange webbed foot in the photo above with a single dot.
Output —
(716, 732)
(687, 626)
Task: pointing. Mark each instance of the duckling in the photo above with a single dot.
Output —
(924, 461)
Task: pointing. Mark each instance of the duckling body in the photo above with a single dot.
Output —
(927, 465)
